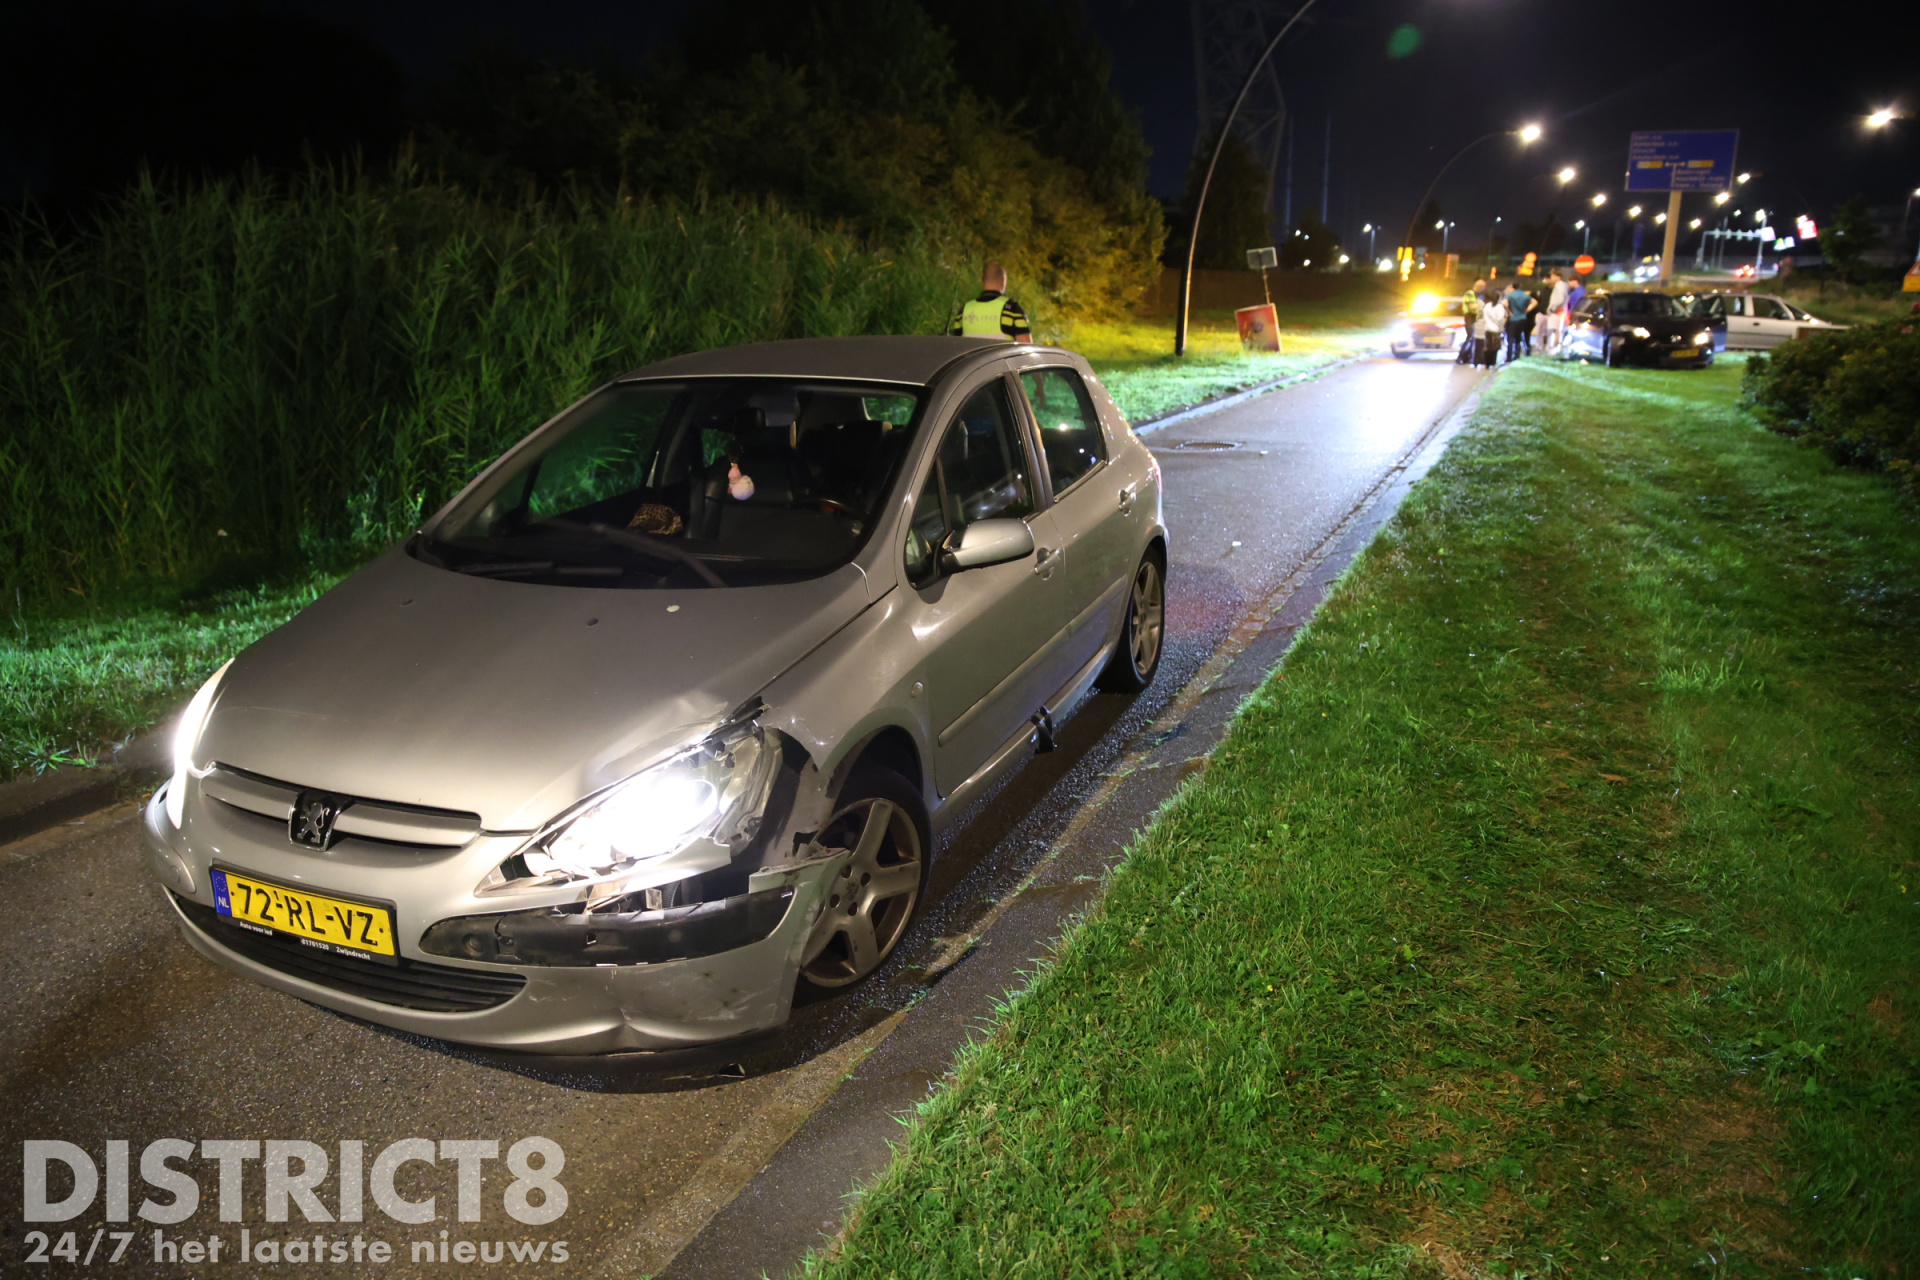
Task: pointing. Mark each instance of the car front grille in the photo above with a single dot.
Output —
(402, 826)
(412, 984)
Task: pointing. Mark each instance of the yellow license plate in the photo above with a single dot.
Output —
(1686, 351)
(336, 924)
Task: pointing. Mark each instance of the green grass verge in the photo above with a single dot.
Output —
(72, 682)
(1136, 361)
(71, 685)
(1552, 911)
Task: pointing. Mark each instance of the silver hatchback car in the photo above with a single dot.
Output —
(662, 713)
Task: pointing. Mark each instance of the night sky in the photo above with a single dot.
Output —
(1797, 84)
(1796, 79)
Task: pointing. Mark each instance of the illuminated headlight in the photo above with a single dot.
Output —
(1702, 338)
(1401, 332)
(713, 792)
(1639, 331)
(186, 736)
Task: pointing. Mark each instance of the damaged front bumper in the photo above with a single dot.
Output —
(525, 981)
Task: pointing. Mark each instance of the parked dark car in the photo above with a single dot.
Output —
(1641, 328)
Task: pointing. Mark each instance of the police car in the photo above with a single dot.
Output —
(1431, 323)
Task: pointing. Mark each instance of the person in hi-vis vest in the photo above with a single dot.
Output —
(993, 314)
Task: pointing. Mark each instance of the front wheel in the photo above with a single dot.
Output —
(1137, 656)
(881, 820)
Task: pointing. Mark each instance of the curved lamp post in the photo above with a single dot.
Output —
(1193, 231)
(1526, 133)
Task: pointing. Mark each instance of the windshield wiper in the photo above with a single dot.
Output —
(656, 547)
(505, 568)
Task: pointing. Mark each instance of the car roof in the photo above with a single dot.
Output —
(909, 358)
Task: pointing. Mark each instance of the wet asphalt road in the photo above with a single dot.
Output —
(117, 1030)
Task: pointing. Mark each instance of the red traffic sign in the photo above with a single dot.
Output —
(1584, 263)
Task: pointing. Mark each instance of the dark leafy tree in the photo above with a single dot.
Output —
(1040, 61)
(1311, 246)
(1847, 239)
(1235, 217)
(1541, 237)
(501, 121)
(1553, 236)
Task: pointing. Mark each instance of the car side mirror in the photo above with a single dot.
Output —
(986, 542)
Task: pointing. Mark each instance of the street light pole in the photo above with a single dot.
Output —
(1370, 229)
(1526, 133)
(1200, 202)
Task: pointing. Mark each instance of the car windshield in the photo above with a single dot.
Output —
(1645, 304)
(707, 482)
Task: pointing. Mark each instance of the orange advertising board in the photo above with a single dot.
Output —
(1259, 327)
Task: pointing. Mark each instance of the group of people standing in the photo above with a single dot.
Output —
(1517, 316)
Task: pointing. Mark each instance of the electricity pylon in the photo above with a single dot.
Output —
(1227, 36)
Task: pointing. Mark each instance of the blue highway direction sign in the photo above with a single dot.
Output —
(1690, 160)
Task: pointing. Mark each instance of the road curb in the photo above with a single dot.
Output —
(31, 805)
(799, 1198)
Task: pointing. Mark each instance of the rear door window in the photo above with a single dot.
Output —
(1070, 434)
(1770, 309)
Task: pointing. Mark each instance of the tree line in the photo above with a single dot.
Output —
(990, 127)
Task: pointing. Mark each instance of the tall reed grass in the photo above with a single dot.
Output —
(232, 377)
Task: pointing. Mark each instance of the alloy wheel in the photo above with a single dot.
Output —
(871, 901)
(1147, 619)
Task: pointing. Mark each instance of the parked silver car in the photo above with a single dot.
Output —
(661, 714)
(1757, 321)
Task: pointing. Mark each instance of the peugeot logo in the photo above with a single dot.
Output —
(313, 818)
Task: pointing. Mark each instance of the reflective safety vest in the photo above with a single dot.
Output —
(981, 319)
(1470, 304)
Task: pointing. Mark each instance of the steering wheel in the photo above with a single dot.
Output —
(835, 507)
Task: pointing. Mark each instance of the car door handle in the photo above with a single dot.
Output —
(1127, 495)
(1044, 558)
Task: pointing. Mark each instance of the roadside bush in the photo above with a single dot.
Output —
(1855, 393)
(244, 377)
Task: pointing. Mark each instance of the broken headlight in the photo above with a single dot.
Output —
(713, 792)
